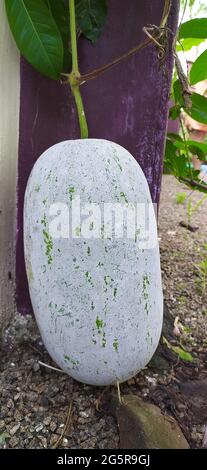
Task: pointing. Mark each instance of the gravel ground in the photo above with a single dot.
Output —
(35, 401)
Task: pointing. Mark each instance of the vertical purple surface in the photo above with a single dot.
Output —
(127, 105)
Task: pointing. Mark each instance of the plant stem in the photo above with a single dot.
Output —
(186, 147)
(81, 79)
(75, 74)
(96, 72)
(73, 36)
(193, 184)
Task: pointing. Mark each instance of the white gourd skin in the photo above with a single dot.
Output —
(98, 302)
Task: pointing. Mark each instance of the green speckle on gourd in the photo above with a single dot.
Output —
(74, 364)
(145, 293)
(116, 344)
(116, 158)
(108, 280)
(99, 323)
(137, 233)
(71, 191)
(149, 337)
(88, 251)
(47, 240)
(78, 231)
(44, 221)
(115, 292)
(104, 340)
(49, 246)
(61, 310)
(100, 327)
(123, 195)
(37, 188)
(88, 277)
(49, 176)
(100, 264)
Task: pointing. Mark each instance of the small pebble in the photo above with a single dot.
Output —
(36, 367)
(39, 427)
(14, 429)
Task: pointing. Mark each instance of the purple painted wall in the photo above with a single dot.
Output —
(127, 104)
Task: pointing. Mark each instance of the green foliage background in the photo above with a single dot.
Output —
(41, 29)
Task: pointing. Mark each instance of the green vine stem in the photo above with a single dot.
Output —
(186, 147)
(81, 79)
(75, 74)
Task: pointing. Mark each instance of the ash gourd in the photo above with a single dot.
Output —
(97, 299)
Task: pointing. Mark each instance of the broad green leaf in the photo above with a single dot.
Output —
(198, 148)
(194, 147)
(198, 111)
(60, 13)
(174, 112)
(201, 145)
(91, 17)
(198, 70)
(180, 166)
(194, 150)
(171, 149)
(188, 43)
(36, 35)
(196, 28)
(184, 355)
(174, 162)
(174, 137)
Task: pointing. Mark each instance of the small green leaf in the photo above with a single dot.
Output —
(198, 111)
(196, 28)
(91, 17)
(174, 112)
(181, 198)
(36, 35)
(184, 355)
(3, 438)
(170, 155)
(170, 149)
(188, 43)
(174, 137)
(174, 162)
(195, 148)
(198, 70)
